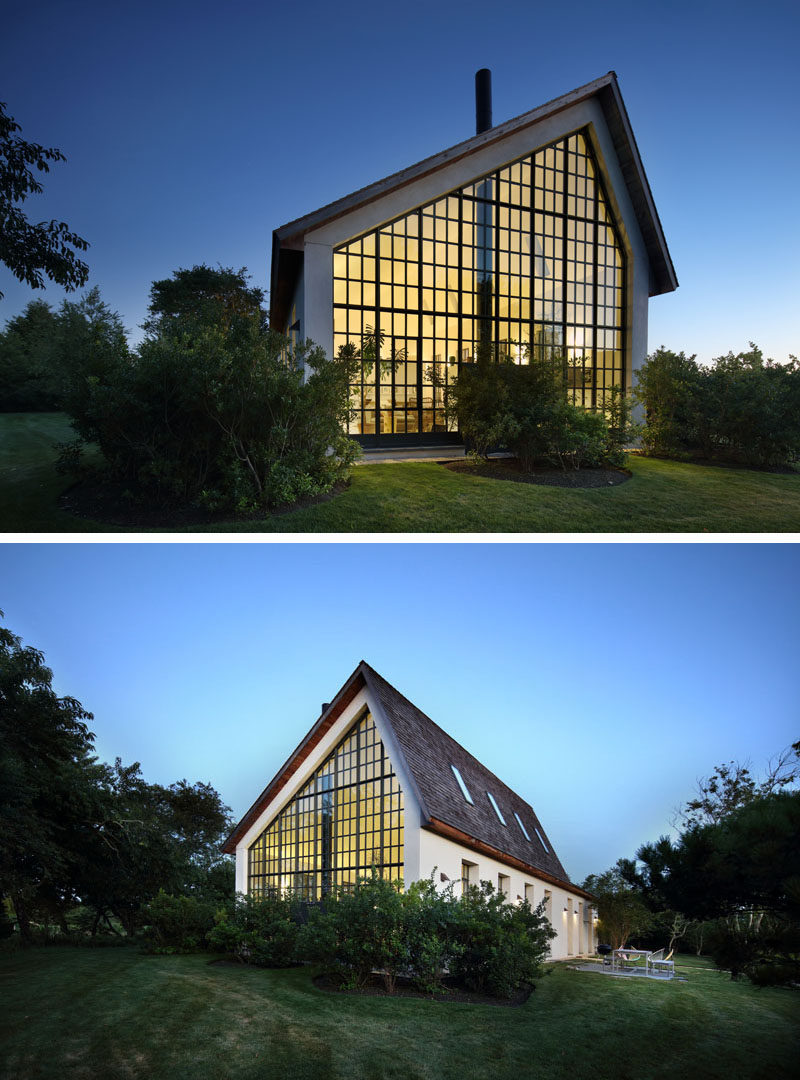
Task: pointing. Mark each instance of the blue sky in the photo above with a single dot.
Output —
(194, 129)
(597, 680)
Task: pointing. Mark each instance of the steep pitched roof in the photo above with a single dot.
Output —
(287, 240)
(428, 753)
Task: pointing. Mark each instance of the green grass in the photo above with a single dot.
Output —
(91, 1014)
(662, 497)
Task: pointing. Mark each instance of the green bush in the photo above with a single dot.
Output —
(211, 413)
(525, 409)
(503, 946)
(430, 929)
(742, 409)
(357, 931)
(177, 924)
(482, 941)
(258, 930)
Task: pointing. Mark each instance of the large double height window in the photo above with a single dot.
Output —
(525, 258)
(347, 819)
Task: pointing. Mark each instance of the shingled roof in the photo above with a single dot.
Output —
(429, 754)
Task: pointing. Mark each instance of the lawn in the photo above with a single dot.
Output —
(90, 1014)
(661, 497)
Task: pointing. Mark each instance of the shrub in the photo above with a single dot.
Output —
(177, 923)
(668, 386)
(486, 943)
(525, 409)
(210, 412)
(742, 408)
(431, 917)
(357, 931)
(258, 930)
(502, 945)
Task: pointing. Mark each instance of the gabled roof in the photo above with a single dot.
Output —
(428, 756)
(287, 240)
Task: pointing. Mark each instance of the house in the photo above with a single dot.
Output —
(537, 234)
(375, 782)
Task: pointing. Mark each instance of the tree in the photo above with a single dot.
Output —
(50, 799)
(732, 785)
(621, 907)
(208, 413)
(155, 838)
(33, 252)
(29, 368)
(741, 875)
(73, 829)
(203, 294)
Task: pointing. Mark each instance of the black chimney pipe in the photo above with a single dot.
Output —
(483, 100)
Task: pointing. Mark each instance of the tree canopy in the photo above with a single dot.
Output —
(203, 294)
(74, 830)
(33, 251)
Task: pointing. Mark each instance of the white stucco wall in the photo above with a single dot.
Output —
(317, 280)
(446, 857)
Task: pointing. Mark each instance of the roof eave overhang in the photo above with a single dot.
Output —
(482, 848)
(606, 89)
(663, 276)
(348, 692)
(287, 266)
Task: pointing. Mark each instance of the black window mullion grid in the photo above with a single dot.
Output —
(532, 257)
(495, 323)
(418, 380)
(564, 249)
(595, 246)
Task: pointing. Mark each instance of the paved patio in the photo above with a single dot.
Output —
(628, 973)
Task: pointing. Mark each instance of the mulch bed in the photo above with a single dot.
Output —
(109, 503)
(509, 469)
(406, 989)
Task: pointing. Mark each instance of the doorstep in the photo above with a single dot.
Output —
(378, 454)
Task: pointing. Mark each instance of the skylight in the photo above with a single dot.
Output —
(519, 822)
(541, 841)
(496, 807)
(462, 785)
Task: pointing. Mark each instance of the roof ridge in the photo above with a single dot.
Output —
(448, 736)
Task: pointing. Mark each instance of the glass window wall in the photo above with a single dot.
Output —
(345, 820)
(527, 258)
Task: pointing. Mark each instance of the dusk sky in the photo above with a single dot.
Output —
(597, 680)
(192, 130)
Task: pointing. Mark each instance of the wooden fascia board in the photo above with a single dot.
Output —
(397, 748)
(292, 232)
(353, 685)
(606, 89)
(471, 842)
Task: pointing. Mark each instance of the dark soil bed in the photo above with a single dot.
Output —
(509, 469)
(100, 500)
(405, 988)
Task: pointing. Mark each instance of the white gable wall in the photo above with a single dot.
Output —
(317, 280)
